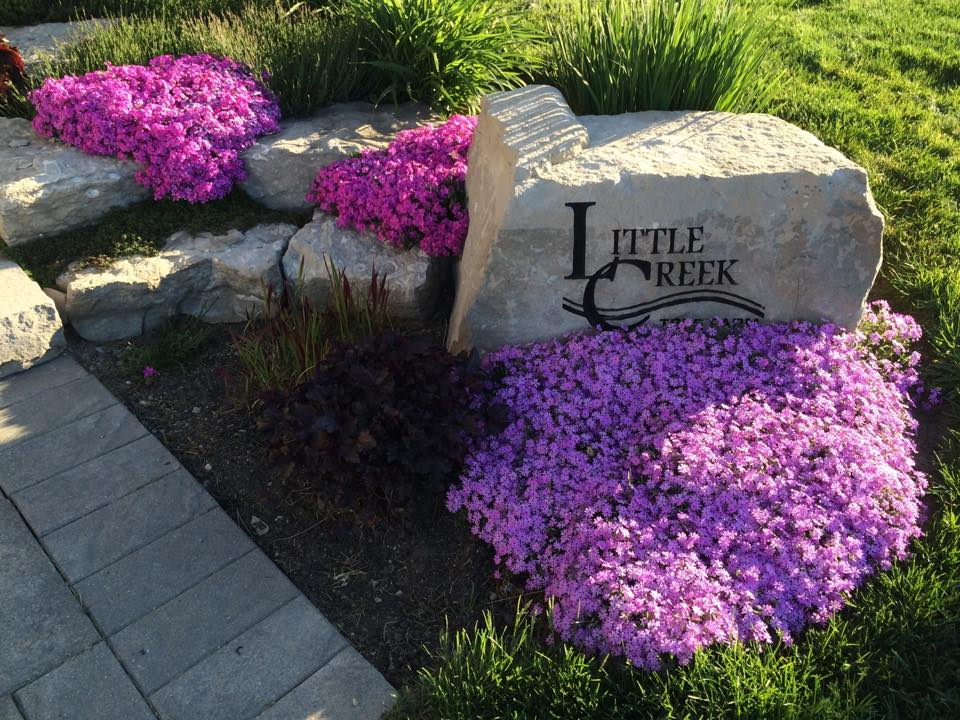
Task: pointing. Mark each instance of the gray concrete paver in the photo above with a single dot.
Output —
(346, 688)
(144, 580)
(106, 535)
(52, 408)
(90, 686)
(8, 711)
(41, 622)
(43, 377)
(44, 456)
(173, 638)
(241, 679)
(59, 500)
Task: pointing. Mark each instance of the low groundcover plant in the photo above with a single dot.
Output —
(411, 194)
(685, 485)
(185, 120)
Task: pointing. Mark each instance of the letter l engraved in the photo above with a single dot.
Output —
(579, 239)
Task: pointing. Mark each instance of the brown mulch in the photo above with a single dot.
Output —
(388, 576)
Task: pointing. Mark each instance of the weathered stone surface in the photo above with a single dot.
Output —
(413, 279)
(91, 686)
(254, 670)
(144, 580)
(94, 541)
(346, 688)
(41, 623)
(280, 167)
(160, 646)
(47, 188)
(646, 217)
(219, 278)
(30, 329)
(37, 43)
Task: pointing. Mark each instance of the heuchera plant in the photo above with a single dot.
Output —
(411, 194)
(12, 70)
(185, 120)
(685, 485)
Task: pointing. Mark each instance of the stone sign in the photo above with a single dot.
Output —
(616, 221)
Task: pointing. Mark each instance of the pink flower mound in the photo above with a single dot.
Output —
(185, 120)
(686, 485)
(412, 193)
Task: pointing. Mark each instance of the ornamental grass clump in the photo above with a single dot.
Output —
(680, 486)
(184, 120)
(411, 194)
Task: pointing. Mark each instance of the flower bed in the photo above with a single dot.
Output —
(185, 120)
(411, 194)
(686, 485)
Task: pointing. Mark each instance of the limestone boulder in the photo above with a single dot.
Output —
(47, 188)
(218, 278)
(413, 278)
(30, 329)
(615, 221)
(280, 167)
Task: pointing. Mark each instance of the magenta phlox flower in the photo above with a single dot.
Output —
(184, 120)
(680, 486)
(411, 194)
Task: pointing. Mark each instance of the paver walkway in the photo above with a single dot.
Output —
(126, 593)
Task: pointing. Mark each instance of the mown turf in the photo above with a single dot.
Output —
(880, 80)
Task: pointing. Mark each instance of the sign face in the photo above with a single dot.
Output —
(666, 267)
(614, 221)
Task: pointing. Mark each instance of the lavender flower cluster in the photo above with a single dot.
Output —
(185, 120)
(411, 194)
(685, 485)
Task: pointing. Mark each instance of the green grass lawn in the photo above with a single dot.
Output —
(880, 80)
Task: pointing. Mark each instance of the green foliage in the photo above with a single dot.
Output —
(445, 53)
(30, 12)
(388, 417)
(309, 54)
(138, 230)
(281, 349)
(172, 346)
(615, 56)
(878, 80)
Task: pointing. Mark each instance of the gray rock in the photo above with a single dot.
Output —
(675, 214)
(413, 279)
(219, 278)
(30, 329)
(47, 188)
(280, 167)
(39, 43)
(91, 686)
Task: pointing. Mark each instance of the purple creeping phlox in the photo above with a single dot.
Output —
(411, 194)
(184, 120)
(679, 486)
